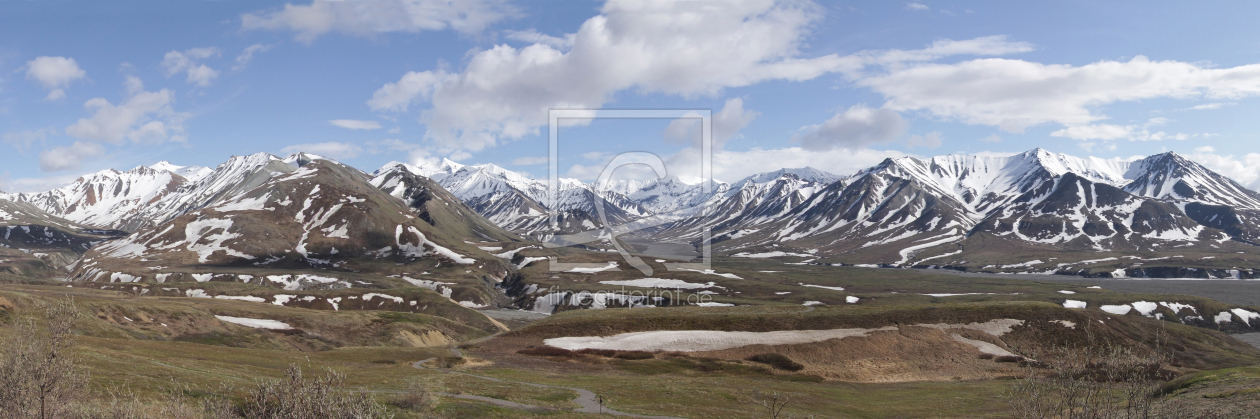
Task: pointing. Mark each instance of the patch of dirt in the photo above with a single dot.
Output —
(427, 339)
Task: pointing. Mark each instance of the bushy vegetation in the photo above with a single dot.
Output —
(298, 397)
(40, 378)
(38, 375)
(1096, 380)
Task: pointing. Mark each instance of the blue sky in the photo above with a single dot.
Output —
(86, 86)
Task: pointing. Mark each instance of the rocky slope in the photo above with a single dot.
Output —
(36, 244)
(304, 223)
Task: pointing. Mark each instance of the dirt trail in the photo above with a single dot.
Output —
(589, 401)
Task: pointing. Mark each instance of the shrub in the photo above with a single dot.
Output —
(778, 361)
(298, 397)
(38, 375)
(1094, 380)
(417, 398)
(633, 355)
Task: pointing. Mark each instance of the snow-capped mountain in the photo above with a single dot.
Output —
(902, 211)
(518, 203)
(668, 195)
(110, 199)
(300, 212)
(189, 173)
(107, 199)
(753, 202)
(906, 207)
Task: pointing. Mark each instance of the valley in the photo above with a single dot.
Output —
(916, 287)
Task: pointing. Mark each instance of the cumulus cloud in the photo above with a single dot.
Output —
(534, 37)
(688, 49)
(859, 126)
(189, 62)
(368, 18)
(55, 74)
(1015, 94)
(683, 48)
(1242, 169)
(412, 86)
(726, 123)
(67, 158)
(355, 124)
(334, 150)
(144, 117)
(247, 55)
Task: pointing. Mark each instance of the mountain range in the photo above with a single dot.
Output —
(309, 212)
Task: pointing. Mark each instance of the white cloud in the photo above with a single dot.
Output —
(1094, 132)
(856, 127)
(66, 158)
(1015, 94)
(334, 150)
(726, 123)
(22, 140)
(1211, 106)
(683, 48)
(190, 62)
(55, 74)
(413, 85)
(530, 161)
(355, 124)
(144, 117)
(247, 55)
(1107, 132)
(992, 139)
(917, 6)
(364, 18)
(929, 140)
(678, 48)
(1245, 169)
(534, 37)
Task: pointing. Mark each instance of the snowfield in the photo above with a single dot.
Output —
(255, 323)
(702, 340)
(660, 283)
(712, 340)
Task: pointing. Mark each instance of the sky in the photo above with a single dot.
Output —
(839, 86)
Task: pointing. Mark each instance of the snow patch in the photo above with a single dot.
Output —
(255, 323)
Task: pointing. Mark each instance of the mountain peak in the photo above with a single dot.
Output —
(300, 159)
(804, 173)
